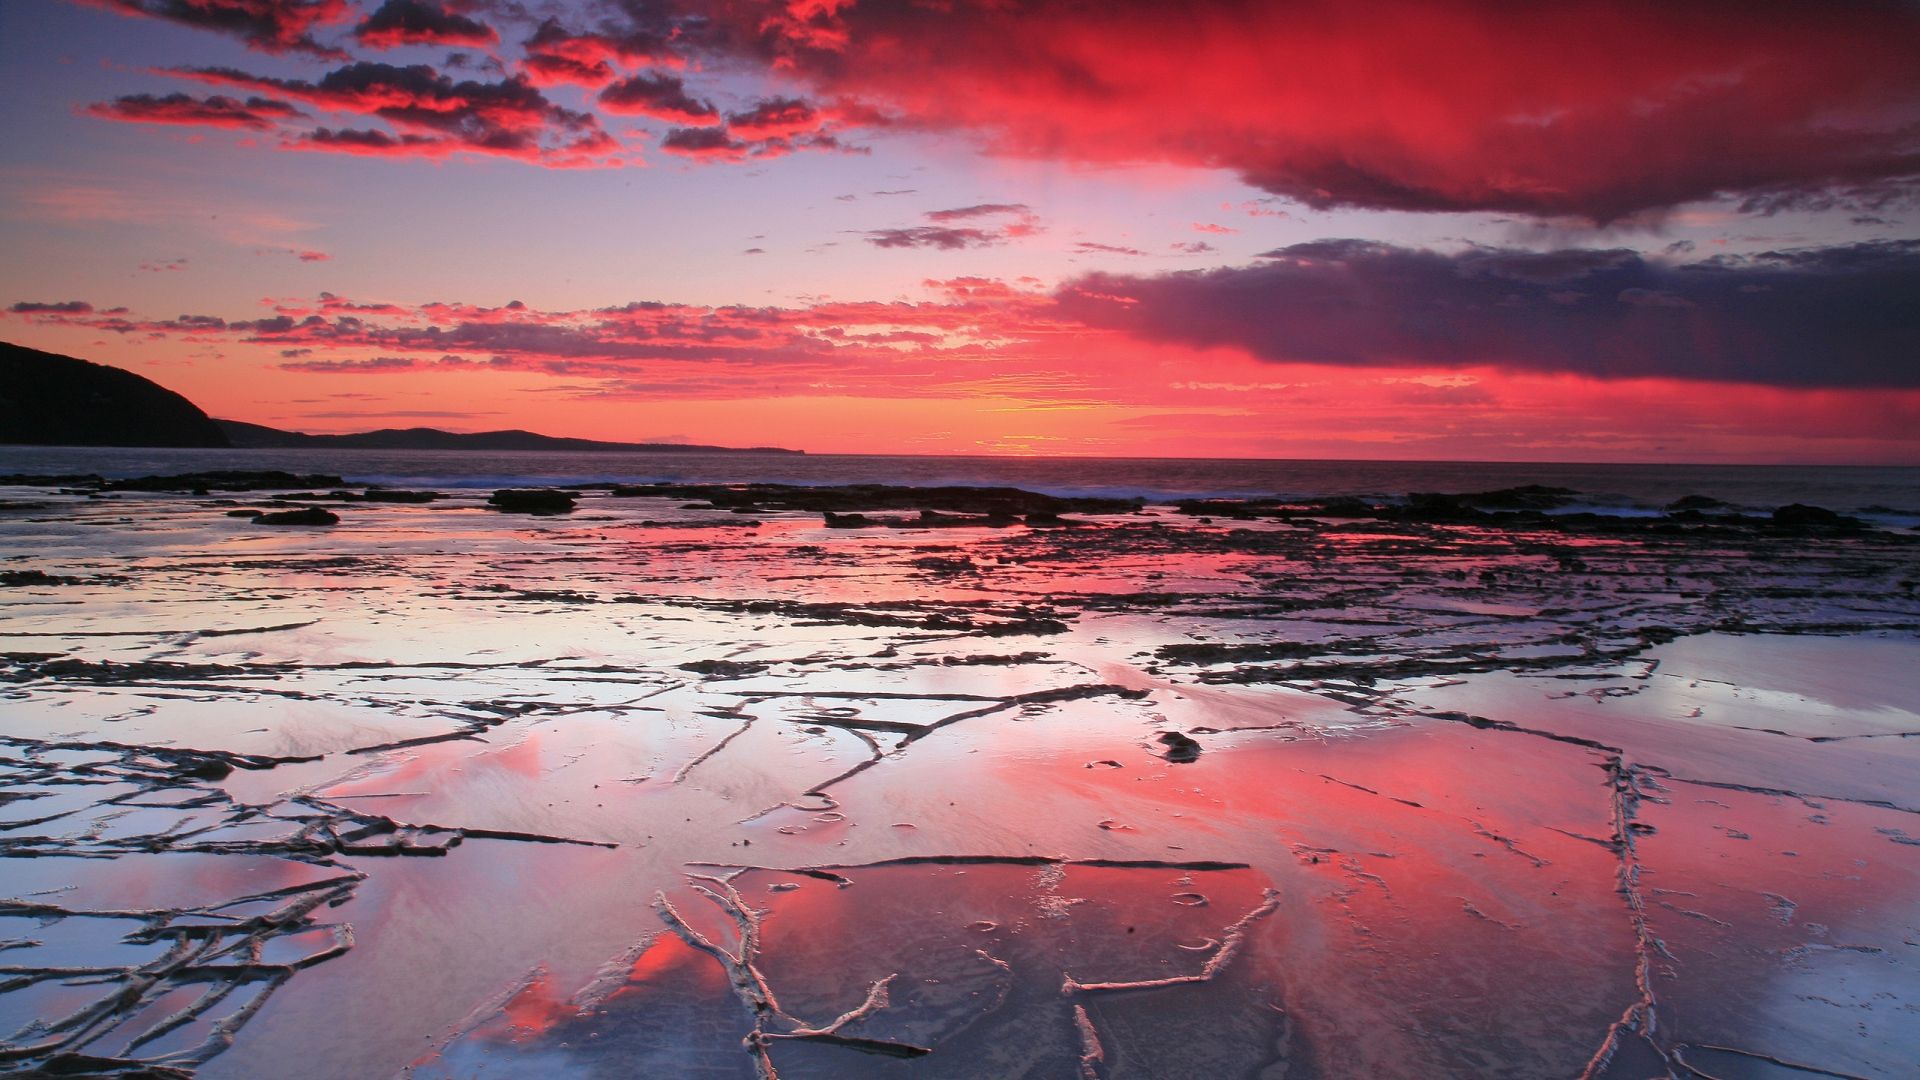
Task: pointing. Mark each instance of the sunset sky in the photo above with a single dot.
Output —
(1581, 230)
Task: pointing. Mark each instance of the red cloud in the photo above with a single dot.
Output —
(777, 118)
(1803, 320)
(434, 115)
(634, 45)
(1187, 366)
(413, 22)
(1588, 108)
(255, 113)
(545, 69)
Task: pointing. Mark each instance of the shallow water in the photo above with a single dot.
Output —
(1607, 488)
(444, 792)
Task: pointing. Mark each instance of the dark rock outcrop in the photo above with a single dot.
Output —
(396, 495)
(51, 400)
(1801, 516)
(311, 515)
(539, 501)
(1181, 749)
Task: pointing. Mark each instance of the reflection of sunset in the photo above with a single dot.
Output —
(669, 953)
(529, 1013)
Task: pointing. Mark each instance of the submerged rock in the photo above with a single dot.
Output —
(845, 499)
(226, 480)
(311, 515)
(1799, 515)
(395, 495)
(16, 579)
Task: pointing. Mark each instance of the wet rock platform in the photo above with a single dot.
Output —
(701, 781)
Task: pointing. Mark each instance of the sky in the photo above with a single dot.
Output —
(1588, 230)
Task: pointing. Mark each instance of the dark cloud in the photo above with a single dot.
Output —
(1018, 220)
(704, 144)
(270, 26)
(1088, 247)
(980, 210)
(1841, 316)
(547, 70)
(770, 129)
(435, 114)
(933, 236)
(399, 414)
(255, 113)
(414, 22)
(556, 54)
(1867, 200)
(664, 97)
(370, 142)
(377, 365)
(62, 307)
(646, 37)
(777, 118)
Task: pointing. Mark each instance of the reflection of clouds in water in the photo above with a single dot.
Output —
(1437, 831)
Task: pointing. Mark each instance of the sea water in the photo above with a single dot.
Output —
(1888, 493)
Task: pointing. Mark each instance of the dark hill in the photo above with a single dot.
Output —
(51, 400)
(252, 436)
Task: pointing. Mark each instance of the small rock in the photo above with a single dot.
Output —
(312, 515)
(395, 495)
(1798, 515)
(1180, 748)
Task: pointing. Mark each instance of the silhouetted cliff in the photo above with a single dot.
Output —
(51, 400)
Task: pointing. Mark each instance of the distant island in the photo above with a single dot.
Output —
(261, 437)
(47, 399)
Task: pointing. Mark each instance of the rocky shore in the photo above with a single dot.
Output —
(861, 781)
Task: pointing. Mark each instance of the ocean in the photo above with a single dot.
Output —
(1890, 494)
